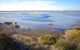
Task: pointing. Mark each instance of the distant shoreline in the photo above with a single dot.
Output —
(40, 10)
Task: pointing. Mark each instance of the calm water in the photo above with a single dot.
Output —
(60, 20)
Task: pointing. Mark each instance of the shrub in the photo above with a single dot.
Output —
(48, 39)
(73, 35)
(63, 44)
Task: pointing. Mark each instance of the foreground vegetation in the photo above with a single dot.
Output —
(69, 41)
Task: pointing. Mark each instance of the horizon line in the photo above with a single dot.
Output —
(34, 10)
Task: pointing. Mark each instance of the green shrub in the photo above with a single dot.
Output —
(73, 35)
(63, 44)
(48, 39)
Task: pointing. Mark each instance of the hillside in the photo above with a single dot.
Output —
(22, 39)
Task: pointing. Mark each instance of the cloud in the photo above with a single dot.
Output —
(30, 5)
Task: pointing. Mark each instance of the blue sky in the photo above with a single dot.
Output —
(39, 5)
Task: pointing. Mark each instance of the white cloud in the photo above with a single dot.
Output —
(37, 5)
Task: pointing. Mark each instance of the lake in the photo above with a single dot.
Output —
(42, 19)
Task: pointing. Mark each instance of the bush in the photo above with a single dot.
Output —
(48, 39)
(73, 35)
(70, 46)
(63, 44)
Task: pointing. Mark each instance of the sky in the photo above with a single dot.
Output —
(11, 5)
